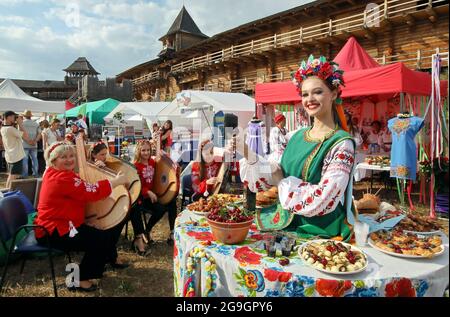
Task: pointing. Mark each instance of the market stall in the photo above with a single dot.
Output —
(204, 111)
(371, 93)
(94, 113)
(14, 98)
(133, 113)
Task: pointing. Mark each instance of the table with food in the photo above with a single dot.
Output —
(220, 252)
(372, 163)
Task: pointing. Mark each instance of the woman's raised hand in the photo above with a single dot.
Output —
(120, 179)
(100, 164)
(212, 181)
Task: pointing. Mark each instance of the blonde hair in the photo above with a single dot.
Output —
(139, 146)
(56, 150)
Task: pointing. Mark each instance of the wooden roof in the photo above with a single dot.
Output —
(40, 84)
(184, 24)
(81, 65)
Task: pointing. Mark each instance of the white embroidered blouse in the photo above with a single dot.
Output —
(299, 196)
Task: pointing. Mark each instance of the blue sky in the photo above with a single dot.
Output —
(39, 38)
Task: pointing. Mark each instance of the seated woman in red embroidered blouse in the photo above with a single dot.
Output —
(62, 201)
(145, 165)
(313, 177)
(205, 171)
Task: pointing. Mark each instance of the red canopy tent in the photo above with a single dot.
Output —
(353, 57)
(363, 77)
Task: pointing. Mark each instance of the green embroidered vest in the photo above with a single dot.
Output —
(303, 158)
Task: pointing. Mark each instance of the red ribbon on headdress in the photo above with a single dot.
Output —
(342, 118)
(54, 147)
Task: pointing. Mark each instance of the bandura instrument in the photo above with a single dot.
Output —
(167, 175)
(111, 211)
(116, 164)
(134, 186)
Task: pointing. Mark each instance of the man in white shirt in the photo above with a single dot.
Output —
(12, 142)
(30, 148)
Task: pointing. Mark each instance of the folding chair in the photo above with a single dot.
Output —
(13, 220)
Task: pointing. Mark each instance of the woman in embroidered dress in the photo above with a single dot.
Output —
(145, 165)
(315, 169)
(62, 201)
(205, 171)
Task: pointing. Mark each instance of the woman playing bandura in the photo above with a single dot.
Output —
(61, 211)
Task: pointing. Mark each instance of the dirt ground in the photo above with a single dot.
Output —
(150, 276)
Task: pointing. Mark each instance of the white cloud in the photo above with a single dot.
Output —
(114, 35)
(11, 3)
(16, 20)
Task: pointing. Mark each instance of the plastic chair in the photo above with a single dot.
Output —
(13, 219)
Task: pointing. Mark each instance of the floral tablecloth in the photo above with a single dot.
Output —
(203, 267)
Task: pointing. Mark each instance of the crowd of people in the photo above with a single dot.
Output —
(64, 195)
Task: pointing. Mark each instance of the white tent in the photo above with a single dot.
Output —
(15, 99)
(139, 115)
(190, 105)
(134, 111)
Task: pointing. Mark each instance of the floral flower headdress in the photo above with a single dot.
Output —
(328, 72)
(320, 67)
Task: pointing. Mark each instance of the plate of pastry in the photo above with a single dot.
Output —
(407, 245)
(333, 257)
(418, 224)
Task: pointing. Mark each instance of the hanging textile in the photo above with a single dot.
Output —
(404, 149)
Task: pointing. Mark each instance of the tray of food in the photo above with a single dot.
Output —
(378, 160)
(267, 198)
(204, 206)
(407, 245)
(333, 257)
(419, 224)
